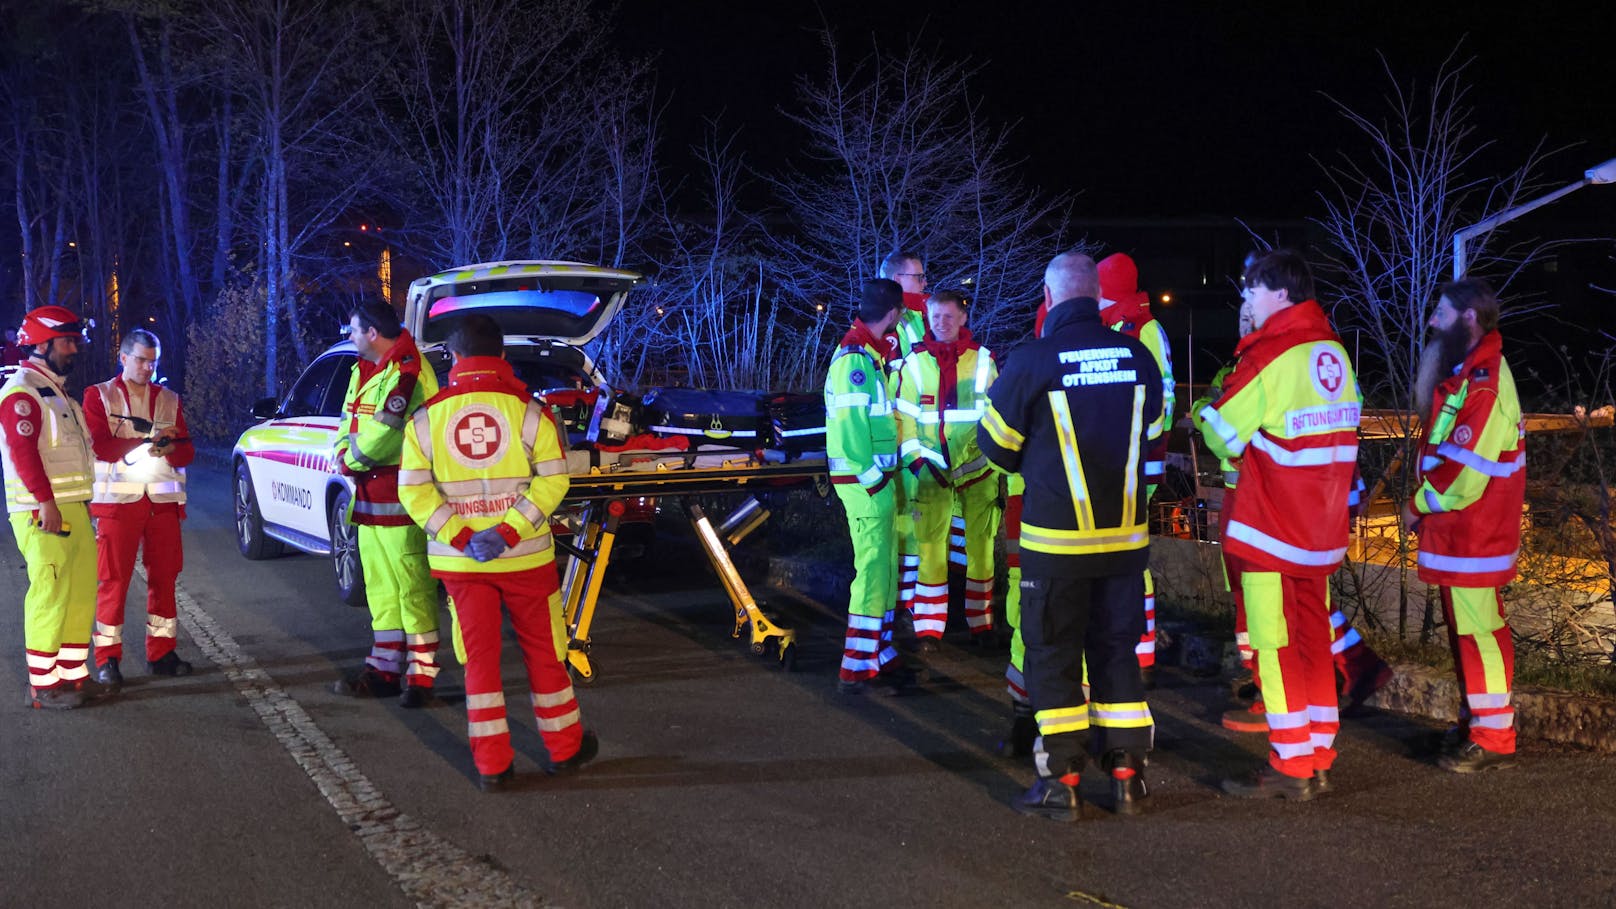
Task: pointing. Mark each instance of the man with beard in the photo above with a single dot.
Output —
(49, 468)
(1467, 512)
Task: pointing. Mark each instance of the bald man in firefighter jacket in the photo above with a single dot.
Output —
(483, 471)
(1124, 308)
(1075, 412)
(387, 385)
(1290, 412)
(907, 332)
(862, 447)
(942, 390)
(1467, 513)
(142, 448)
(49, 470)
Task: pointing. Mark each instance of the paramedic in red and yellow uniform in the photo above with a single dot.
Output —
(483, 469)
(1290, 412)
(49, 469)
(1467, 512)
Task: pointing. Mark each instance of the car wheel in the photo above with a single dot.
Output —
(345, 552)
(250, 536)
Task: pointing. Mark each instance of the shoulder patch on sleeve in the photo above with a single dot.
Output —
(25, 428)
(857, 377)
(23, 407)
(396, 404)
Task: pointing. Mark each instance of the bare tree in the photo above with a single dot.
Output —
(898, 152)
(526, 135)
(705, 319)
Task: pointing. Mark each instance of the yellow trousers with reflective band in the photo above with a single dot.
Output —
(59, 607)
(403, 600)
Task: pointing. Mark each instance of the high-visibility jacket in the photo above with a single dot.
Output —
(861, 439)
(380, 398)
(1074, 413)
(1472, 474)
(124, 469)
(909, 331)
(46, 451)
(1290, 412)
(1137, 322)
(482, 453)
(942, 394)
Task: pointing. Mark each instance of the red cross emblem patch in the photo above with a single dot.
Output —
(478, 436)
(1329, 371)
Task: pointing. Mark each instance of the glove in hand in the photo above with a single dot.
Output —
(486, 545)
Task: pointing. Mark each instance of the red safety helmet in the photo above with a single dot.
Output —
(48, 322)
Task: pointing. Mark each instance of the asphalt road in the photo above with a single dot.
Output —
(721, 781)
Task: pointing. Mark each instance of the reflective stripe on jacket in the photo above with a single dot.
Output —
(1073, 412)
(860, 433)
(379, 402)
(1144, 327)
(1290, 412)
(1472, 474)
(938, 431)
(480, 454)
(63, 439)
(137, 473)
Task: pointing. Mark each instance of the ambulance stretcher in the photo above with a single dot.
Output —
(600, 483)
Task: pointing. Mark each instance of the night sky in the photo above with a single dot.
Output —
(1163, 109)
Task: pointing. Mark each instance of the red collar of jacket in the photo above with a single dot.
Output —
(1285, 329)
(860, 335)
(948, 365)
(916, 302)
(1134, 312)
(403, 352)
(486, 373)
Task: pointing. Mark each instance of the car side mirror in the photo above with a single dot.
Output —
(266, 409)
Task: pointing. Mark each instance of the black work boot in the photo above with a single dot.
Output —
(1321, 782)
(1054, 798)
(61, 697)
(415, 697)
(496, 782)
(107, 674)
(1268, 783)
(369, 683)
(1127, 781)
(1472, 758)
(169, 664)
(587, 749)
(1023, 732)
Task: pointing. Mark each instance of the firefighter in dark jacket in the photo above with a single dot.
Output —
(1075, 412)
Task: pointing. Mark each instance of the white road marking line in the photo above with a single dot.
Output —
(428, 868)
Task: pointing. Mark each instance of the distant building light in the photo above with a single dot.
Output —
(346, 243)
(72, 244)
(1167, 298)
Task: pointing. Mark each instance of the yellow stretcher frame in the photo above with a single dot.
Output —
(602, 493)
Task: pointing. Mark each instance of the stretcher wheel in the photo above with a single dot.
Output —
(760, 647)
(578, 678)
(788, 658)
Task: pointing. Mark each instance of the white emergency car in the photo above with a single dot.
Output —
(287, 491)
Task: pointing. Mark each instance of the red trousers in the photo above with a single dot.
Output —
(1288, 621)
(153, 529)
(526, 596)
(1484, 656)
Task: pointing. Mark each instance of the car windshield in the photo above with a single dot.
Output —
(523, 305)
